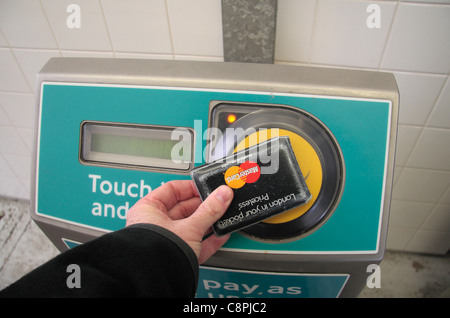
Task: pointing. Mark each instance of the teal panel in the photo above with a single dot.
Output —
(98, 197)
(224, 283)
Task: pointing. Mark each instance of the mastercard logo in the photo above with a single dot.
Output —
(237, 176)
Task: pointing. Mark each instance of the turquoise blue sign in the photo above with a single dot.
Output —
(225, 283)
(99, 197)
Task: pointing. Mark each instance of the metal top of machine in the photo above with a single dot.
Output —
(242, 76)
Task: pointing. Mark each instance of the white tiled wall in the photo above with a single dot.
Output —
(413, 42)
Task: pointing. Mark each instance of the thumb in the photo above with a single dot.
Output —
(212, 208)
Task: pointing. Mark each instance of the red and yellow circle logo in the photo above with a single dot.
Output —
(247, 172)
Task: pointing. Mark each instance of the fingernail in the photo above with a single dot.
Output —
(224, 194)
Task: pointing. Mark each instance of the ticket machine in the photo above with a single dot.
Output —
(108, 131)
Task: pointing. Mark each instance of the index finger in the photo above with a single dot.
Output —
(169, 194)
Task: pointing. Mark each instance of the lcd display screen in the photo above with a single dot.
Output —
(136, 146)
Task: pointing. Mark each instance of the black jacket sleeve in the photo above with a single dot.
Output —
(141, 260)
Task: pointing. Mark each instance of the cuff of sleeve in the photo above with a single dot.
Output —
(188, 251)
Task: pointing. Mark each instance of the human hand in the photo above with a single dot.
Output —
(176, 206)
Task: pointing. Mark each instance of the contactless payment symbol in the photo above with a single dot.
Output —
(247, 172)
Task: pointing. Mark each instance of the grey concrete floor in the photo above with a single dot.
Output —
(23, 247)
